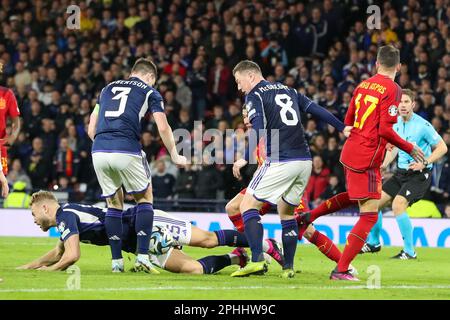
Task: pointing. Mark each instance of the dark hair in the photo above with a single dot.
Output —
(143, 65)
(247, 65)
(388, 56)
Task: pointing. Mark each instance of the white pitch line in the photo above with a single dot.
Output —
(180, 288)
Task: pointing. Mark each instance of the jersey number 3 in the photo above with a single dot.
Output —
(123, 97)
(285, 103)
(369, 109)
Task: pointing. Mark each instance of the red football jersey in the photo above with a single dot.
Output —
(8, 108)
(372, 113)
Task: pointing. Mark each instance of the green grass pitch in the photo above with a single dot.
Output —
(426, 278)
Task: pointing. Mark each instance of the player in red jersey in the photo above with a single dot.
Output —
(372, 113)
(8, 108)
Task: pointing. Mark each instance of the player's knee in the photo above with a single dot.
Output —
(192, 267)
(232, 208)
(399, 205)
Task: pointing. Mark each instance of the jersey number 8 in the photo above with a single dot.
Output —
(286, 106)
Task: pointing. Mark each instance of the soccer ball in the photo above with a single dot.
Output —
(161, 240)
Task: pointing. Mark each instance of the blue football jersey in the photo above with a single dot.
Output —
(123, 104)
(275, 109)
(89, 223)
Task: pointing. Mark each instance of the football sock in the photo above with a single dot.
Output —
(113, 226)
(336, 203)
(374, 235)
(406, 229)
(289, 229)
(231, 238)
(237, 222)
(356, 239)
(212, 264)
(326, 246)
(265, 208)
(144, 225)
(254, 233)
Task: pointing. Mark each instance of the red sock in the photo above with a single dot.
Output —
(326, 246)
(265, 208)
(356, 239)
(237, 222)
(336, 203)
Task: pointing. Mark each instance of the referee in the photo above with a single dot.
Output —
(411, 180)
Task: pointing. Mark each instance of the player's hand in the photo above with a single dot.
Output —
(179, 160)
(347, 131)
(389, 147)
(4, 184)
(417, 166)
(237, 167)
(417, 154)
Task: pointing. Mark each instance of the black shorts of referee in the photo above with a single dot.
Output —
(408, 183)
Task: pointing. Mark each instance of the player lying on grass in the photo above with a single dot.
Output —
(84, 223)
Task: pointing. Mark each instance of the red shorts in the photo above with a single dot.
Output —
(4, 160)
(264, 209)
(363, 185)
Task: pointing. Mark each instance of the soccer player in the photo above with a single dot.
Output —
(84, 223)
(411, 179)
(372, 112)
(275, 109)
(8, 109)
(115, 127)
(321, 241)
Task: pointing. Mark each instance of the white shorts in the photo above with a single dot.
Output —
(181, 232)
(116, 169)
(286, 180)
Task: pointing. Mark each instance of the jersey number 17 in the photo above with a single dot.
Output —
(370, 103)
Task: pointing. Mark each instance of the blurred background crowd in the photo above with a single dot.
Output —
(321, 48)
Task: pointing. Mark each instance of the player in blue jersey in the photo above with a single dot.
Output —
(115, 127)
(85, 223)
(412, 179)
(274, 113)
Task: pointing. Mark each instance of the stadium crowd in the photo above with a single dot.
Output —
(57, 74)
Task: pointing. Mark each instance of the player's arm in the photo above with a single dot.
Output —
(13, 113)
(254, 109)
(3, 181)
(309, 106)
(389, 157)
(70, 256)
(48, 259)
(92, 127)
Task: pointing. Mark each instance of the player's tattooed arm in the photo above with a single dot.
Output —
(48, 259)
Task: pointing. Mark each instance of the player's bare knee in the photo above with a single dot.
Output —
(232, 208)
(309, 232)
(191, 267)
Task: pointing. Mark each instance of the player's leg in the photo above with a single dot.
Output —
(233, 211)
(399, 206)
(179, 262)
(111, 185)
(253, 228)
(136, 179)
(366, 186)
(323, 243)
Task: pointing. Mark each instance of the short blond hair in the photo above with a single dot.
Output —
(42, 195)
(247, 65)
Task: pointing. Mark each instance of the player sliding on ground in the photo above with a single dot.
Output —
(372, 112)
(84, 223)
(408, 185)
(274, 109)
(321, 241)
(115, 127)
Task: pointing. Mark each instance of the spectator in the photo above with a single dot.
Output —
(319, 179)
(150, 146)
(183, 95)
(66, 161)
(196, 79)
(18, 197)
(209, 180)
(219, 80)
(38, 166)
(334, 187)
(185, 184)
(16, 173)
(162, 182)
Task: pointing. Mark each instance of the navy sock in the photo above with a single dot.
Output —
(254, 233)
(212, 264)
(289, 237)
(231, 238)
(113, 225)
(144, 225)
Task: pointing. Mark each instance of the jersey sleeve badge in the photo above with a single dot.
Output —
(393, 110)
